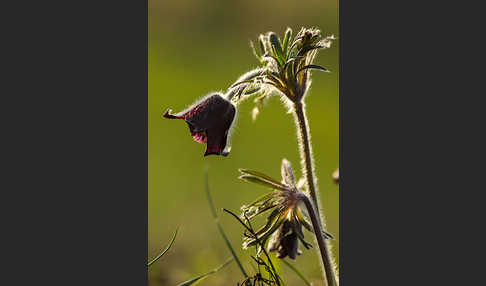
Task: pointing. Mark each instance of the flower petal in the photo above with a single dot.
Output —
(290, 244)
(209, 121)
(199, 137)
(168, 114)
(216, 142)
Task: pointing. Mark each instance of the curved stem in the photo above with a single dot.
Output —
(166, 249)
(305, 149)
(325, 256)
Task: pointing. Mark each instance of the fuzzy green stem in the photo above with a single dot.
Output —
(166, 249)
(306, 152)
(323, 249)
(305, 149)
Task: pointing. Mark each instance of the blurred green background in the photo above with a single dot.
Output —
(196, 47)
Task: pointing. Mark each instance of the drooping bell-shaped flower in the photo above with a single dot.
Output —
(285, 241)
(210, 121)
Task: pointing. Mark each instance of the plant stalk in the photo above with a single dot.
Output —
(323, 249)
(305, 149)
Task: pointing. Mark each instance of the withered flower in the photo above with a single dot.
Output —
(210, 121)
(284, 225)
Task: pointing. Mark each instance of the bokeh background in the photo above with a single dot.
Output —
(196, 47)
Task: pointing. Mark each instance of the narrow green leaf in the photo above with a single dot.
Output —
(306, 49)
(268, 57)
(275, 41)
(166, 249)
(275, 80)
(277, 48)
(288, 35)
(294, 44)
(312, 67)
(204, 276)
(220, 228)
(273, 223)
(257, 54)
(242, 82)
(297, 272)
(290, 61)
(208, 195)
(278, 56)
(261, 175)
(261, 210)
(278, 279)
(261, 40)
(272, 218)
(259, 201)
(261, 181)
(251, 91)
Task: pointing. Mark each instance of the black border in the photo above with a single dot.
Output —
(76, 203)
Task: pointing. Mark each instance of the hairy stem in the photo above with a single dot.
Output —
(305, 149)
(323, 249)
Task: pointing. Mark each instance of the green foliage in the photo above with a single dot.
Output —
(220, 228)
(287, 63)
(270, 268)
(166, 249)
(199, 278)
(297, 272)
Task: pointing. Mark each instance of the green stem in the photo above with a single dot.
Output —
(166, 249)
(305, 149)
(323, 249)
(220, 228)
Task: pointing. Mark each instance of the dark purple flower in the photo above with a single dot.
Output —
(285, 241)
(209, 121)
